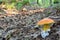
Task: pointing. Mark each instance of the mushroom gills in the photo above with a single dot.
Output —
(46, 27)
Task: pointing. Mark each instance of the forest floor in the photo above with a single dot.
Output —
(19, 26)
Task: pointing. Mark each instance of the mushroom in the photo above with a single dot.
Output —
(45, 26)
(46, 23)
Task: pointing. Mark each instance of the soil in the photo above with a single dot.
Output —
(21, 26)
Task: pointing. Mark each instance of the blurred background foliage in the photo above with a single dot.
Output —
(18, 4)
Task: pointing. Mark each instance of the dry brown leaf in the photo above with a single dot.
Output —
(24, 9)
(11, 11)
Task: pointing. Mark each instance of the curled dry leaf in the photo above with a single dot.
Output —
(11, 12)
(24, 9)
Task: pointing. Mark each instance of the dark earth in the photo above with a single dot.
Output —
(21, 27)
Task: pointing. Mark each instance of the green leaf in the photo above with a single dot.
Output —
(40, 2)
(25, 1)
(13, 0)
(0, 0)
(32, 2)
(47, 3)
(44, 3)
(56, 1)
(19, 5)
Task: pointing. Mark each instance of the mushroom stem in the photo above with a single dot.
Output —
(46, 27)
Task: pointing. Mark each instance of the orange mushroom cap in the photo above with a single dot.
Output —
(45, 21)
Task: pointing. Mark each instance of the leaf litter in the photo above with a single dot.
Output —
(21, 26)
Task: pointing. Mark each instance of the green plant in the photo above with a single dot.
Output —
(21, 3)
(18, 4)
(47, 3)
